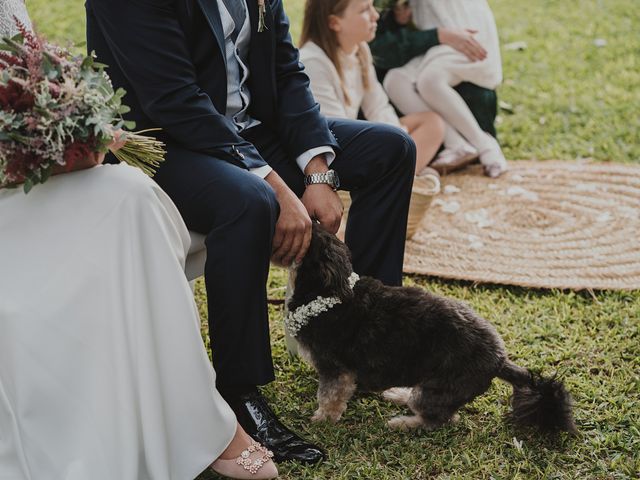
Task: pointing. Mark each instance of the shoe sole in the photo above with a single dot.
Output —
(457, 165)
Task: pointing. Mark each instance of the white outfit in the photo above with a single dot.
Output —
(426, 82)
(103, 373)
(328, 92)
(461, 14)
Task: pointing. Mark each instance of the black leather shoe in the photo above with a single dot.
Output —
(259, 421)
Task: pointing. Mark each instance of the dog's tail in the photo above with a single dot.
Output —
(538, 401)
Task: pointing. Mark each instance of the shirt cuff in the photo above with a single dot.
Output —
(262, 171)
(304, 159)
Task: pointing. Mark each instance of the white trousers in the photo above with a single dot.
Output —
(432, 89)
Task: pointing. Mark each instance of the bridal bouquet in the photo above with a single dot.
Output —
(57, 109)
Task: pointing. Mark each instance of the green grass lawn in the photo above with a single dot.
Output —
(570, 99)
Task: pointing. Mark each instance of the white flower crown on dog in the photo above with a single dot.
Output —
(297, 319)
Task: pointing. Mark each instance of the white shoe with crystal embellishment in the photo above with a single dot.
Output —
(253, 463)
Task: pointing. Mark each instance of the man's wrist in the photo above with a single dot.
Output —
(317, 164)
(330, 178)
(278, 185)
(320, 186)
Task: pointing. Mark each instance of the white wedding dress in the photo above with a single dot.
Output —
(103, 373)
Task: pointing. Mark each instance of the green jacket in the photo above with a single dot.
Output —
(395, 45)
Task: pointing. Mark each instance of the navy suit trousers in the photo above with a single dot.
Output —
(238, 211)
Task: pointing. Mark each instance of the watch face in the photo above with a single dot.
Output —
(334, 181)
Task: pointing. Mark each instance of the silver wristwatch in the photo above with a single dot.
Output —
(330, 177)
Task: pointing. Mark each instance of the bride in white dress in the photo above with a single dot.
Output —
(103, 373)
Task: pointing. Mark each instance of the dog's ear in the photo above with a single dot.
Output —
(337, 282)
(334, 263)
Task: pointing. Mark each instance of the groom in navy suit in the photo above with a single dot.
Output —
(251, 163)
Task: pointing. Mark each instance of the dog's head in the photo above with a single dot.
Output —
(325, 269)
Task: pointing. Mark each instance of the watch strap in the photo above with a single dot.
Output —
(328, 178)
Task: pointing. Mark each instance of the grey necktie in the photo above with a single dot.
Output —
(237, 11)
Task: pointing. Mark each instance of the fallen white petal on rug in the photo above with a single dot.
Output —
(447, 207)
(517, 191)
(479, 217)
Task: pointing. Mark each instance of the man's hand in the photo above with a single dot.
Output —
(321, 202)
(293, 230)
(323, 205)
(464, 42)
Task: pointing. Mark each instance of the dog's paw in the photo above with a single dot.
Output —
(398, 395)
(404, 422)
(319, 416)
(324, 416)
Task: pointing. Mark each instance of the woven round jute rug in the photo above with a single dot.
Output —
(550, 224)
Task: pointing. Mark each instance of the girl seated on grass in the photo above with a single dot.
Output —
(338, 61)
(428, 81)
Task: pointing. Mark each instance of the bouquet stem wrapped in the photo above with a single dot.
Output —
(141, 151)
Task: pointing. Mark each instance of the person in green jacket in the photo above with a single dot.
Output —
(397, 41)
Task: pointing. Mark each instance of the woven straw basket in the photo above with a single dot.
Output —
(422, 195)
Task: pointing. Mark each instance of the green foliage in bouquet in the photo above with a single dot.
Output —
(57, 109)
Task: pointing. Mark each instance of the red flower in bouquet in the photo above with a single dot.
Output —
(77, 152)
(11, 60)
(20, 163)
(14, 97)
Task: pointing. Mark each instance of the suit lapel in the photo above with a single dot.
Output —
(212, 14)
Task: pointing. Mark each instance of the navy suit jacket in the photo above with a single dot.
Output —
(169, 56)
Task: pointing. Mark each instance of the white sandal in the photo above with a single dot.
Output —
(452, 159)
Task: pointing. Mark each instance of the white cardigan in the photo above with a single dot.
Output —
(326, 88)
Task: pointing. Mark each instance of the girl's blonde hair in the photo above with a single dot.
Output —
(315, 28)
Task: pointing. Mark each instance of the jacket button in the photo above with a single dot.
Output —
(237, 153)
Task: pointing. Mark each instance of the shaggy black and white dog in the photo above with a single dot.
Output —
(377, 337)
